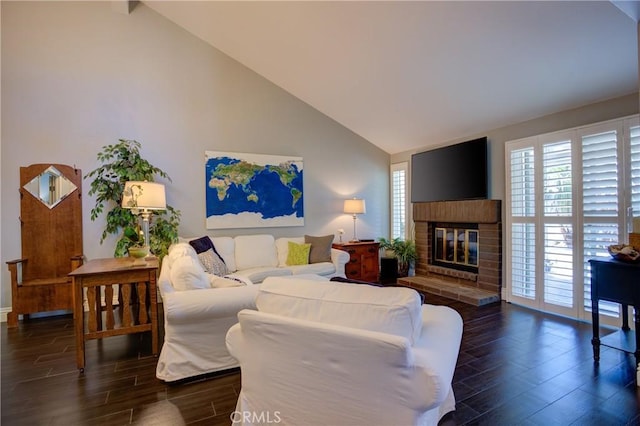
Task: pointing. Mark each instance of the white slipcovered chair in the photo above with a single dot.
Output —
(327, 353)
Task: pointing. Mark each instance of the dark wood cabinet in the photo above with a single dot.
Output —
(363, 260)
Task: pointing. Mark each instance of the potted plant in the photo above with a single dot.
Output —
(407, 255)
(388, 246)
(122, 162)
(403, 250)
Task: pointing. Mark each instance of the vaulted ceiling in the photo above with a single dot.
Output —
(409, 75)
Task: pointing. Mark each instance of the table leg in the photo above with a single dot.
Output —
(595, 321)
(91, 301)
(153, 301)
(126, 304)
(636, 315)
(108, 298)
(625, 317)
(141, 288)
(78, 322)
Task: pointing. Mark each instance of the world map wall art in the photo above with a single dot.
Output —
(253, 190)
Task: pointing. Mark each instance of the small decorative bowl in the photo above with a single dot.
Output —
(138, 254)
(624, 253)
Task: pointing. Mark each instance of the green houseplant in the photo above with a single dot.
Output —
(388, 246)
(404, 250)
(407, 255)
(122, 162)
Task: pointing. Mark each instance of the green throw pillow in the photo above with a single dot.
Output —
(298, 254)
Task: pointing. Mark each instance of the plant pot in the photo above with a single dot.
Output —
(403, 269)
(389, 253)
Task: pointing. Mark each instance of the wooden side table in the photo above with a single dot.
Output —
(363, 260)
(617, 282)
(136, 283)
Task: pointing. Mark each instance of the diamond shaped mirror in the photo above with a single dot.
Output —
(50, 187)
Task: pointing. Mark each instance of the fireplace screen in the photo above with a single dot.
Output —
(456, 246)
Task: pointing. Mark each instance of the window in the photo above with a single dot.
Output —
(399, 193)
(568, 194)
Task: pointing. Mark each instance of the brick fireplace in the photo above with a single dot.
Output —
(476, 226)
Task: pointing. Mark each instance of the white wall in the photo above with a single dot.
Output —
(77, 76)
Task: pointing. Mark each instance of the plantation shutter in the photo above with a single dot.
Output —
(399, 200)
(558, 228)
(600, 199)
(634, 137)
(522, 228)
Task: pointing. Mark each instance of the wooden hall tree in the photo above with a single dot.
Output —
(51, 233)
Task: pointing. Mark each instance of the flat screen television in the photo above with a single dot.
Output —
(451, 173)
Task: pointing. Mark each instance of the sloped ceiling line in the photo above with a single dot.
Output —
(409, 75)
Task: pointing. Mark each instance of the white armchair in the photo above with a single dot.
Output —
(318, 353)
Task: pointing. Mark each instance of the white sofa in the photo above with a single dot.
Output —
(331, 353)
(255, 257)
(199, 308)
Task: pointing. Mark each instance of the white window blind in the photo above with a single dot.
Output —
(558, 265)
(556, 178)
(600, 204)
(523, 267)
(399, 200)
(522, 181)
(600, 175)
(558, 234)
(634, 138)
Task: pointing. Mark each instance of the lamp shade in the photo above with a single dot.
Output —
(355, 206)
(143, 195)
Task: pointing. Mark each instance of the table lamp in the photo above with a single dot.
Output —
(355, 206)
(142, 198)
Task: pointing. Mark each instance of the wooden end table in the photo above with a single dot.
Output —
(136, 283)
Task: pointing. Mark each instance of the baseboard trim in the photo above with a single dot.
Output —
(3, 314)
(5, 311)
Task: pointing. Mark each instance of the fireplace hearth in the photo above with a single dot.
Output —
(459, 246)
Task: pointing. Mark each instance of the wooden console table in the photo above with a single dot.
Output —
(136, 283)
(617, 282)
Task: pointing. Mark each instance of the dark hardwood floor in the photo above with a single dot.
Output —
(516, 366)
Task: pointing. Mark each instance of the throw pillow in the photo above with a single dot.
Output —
(203, 244)
(212, 263)
(298, 254)
(320, 248)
